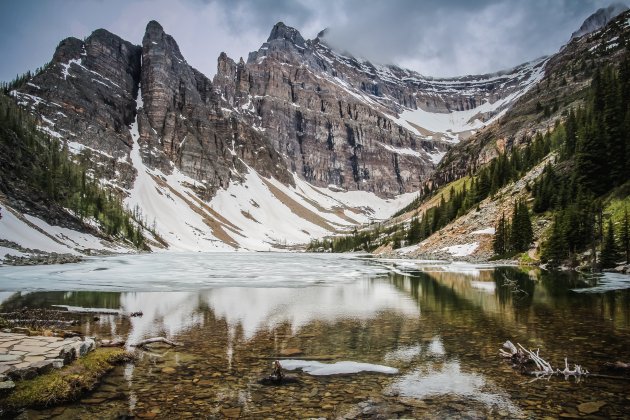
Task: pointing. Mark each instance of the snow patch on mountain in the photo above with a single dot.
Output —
(453, 123)
(253, 213)
(33, 233)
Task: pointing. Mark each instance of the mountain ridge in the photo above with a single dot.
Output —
(299, 130)
(483, 178)
(600, 19)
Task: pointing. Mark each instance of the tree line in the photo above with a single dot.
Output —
(43, 168)
(593, 165)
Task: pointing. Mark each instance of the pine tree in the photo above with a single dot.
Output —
(521, 235)
(425, 229)
(415, 231)
(590, 157)
(514, 243)
(526, 230)
(500, 237)
(571, 134)
(554, 249)
(482, 186)
(625, 236)
(610, 255)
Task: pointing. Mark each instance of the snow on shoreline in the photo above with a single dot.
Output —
(607, 282)
(463, 250)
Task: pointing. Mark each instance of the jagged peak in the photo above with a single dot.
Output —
(67, 49)
(282, 31)
(103, 33)
(154, 32)
(322, 34)
(155, 36)
(154, 27)
(599, 19)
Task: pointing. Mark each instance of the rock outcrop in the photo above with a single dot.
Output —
(85, 97)
(599, 19)
(182, 122)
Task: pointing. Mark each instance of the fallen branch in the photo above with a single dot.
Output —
(112, 343)
(521, 357)
(155, 340)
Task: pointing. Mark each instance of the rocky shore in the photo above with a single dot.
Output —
(23, 356)
(41, 259)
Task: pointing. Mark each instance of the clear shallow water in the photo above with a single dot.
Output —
(439, 326)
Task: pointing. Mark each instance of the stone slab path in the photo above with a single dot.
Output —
(23, 356)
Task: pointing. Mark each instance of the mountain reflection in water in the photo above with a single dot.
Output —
(439, 325)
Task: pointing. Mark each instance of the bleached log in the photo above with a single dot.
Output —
(156, 340)
(544, 367)
(512, 350)
(112, 343)
(577, 370)
(521, 356)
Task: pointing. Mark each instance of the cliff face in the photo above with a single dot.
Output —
(337, 120)
(297, 142)
(182, 122)
(85, 97)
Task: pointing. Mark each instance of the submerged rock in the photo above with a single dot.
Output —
(7, 385)
(590, 407)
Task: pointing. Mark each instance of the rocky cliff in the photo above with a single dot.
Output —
(343, 121)
(296, 142)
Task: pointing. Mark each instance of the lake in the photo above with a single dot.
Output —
(366, 338)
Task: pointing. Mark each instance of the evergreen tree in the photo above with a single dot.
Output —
(610, 255)
(521, 235)
(590, 158)
(425, 227)
(500, 241)
(514, 242)
(415, 231)
(571, 135)
(625, 236)
(554, 250)
(482, 186)
(526, 229)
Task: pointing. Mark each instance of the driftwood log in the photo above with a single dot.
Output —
(154, 340)
(112, 343)
(532, 363)
(140, 344)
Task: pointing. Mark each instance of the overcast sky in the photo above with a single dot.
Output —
(434, 37)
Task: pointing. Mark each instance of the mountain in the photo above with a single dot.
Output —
(298, 142)
(562, 151)
(599, 19)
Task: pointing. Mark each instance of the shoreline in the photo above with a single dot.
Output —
(41, 258)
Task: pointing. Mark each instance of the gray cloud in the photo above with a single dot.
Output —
(434, 37)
